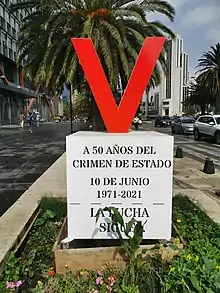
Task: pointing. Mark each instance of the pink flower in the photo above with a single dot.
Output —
(18, 283)
(10, 285)
(99, 281)
(100, 273)
(112, 280)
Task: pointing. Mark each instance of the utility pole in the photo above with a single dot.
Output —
(71, 110)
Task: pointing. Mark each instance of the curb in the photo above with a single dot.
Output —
(17, 221)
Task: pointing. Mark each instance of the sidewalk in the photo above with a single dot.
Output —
(189, 179)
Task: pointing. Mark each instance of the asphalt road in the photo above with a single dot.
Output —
(24, 157)
(198, 150)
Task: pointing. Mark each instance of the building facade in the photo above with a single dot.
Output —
(173, 90)
(16, 93)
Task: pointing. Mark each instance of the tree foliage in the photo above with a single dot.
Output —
(209, 73)
(200, 95)
(117, 28)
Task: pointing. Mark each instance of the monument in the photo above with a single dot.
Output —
(131, 171)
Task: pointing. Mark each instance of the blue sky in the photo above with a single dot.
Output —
(198, 22)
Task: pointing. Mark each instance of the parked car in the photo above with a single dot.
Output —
(183, 125)
(207, 126)
(162, 121)
(173, 118)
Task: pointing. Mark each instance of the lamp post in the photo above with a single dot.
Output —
(71, 110)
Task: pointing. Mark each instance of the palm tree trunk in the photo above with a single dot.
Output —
(98, 123)
(203, 109)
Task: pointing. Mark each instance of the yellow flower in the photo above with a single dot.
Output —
(172, 269)
(217, 267)
(188, 257)
(176, 240)
(39, 283)
(178, 220)
(196, 258)
(81, 273)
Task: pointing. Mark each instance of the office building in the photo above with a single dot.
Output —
(173, 91)
(16, 93)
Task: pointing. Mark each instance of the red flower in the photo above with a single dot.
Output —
(51, 272)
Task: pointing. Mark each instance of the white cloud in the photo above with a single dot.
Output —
(202, 15)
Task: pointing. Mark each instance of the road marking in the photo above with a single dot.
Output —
(202, 149)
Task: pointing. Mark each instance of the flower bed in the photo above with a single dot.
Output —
(195, 269)
(35, 260)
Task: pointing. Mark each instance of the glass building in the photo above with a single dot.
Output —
(15, 92)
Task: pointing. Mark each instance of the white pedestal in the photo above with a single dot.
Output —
(132, 172)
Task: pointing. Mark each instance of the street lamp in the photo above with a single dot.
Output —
(71, 110)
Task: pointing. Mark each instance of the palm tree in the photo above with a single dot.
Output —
(200, 95)
(209, 69)
(117, 28)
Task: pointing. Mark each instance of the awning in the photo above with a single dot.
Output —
(19, 90)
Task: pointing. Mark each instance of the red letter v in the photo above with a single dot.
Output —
(118, 119)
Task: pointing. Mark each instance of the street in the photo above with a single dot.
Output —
(24, 157)
(198, 150)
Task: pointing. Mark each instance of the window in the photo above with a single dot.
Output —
(10, 54)
(210, 119)
(181, 45)
(14, 33)
(188, 120)
(3, 37)
(217, 119)
(13, 45)
(5, 50)
(177, 53)
(12, 21)
(9, 28)
(3, 12)
(202, 119)
(2, 22)
(1, 9)
(206, 119)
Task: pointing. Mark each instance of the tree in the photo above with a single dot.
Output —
(200, 95)
(209, 70)
(117, 28)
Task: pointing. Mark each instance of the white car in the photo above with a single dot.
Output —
(207, 126)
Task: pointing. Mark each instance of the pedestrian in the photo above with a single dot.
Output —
(30, 121)
(34, 119)
(22, 119)
(64, 116)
